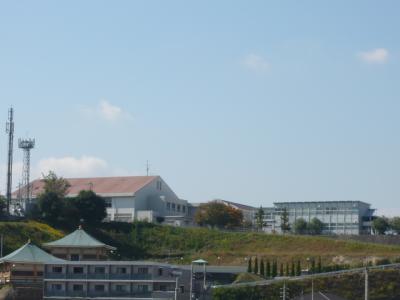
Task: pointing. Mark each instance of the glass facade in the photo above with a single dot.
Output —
(338, 217)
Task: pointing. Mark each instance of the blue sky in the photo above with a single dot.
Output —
(253, 102)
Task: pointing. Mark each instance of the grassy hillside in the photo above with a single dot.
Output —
(181, 245)
(383, 285)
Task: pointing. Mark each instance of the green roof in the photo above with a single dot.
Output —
(29, 253)
(78, 239)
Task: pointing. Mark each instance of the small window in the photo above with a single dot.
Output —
(56, 287)
(77, 287)
(99, 270)
(183, 208)
(178, 207)
(121, 270)
(163, 287)
(160, 271)
(120, 288)
(173, 206)
(143, 288)
(182, 289)
(168, 206)
(78, 270)
(108, 202)
(75, 257)
(99, 288)
(57, 269)
(143, 270)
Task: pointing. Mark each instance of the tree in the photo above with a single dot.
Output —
(298, 268)
(380, 225)
(262, 267)
(287, 273)
(300, 226)
(268, 270)
(285, 226)
(260, 218)
(395, 224)
(293, 270)
(51, 207)
(315, 226)
(256, 266)
(312, 266)
(319, 265)
(3, 206)
(281, 270)
(55, 184)
(249, 267)
(90, 207)
(274, 271)
(218, 215)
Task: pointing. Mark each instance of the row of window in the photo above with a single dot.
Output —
(101, 287)
(102, 270)
(176, 207)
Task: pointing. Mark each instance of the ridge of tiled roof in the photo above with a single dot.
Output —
(122, 185)
(78, 239)
(30, 253)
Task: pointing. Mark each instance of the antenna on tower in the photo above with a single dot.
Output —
(26, 145)
(147, 168)
(10, 132)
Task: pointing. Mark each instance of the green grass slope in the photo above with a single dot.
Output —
(181, 245)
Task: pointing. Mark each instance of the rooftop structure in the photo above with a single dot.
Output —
(79, 245)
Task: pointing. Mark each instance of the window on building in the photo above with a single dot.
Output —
(163, 287)
(182, 289)
(56, 287)
(99, 270)
(183, 208)
(121, 270)
(108, 202)
(75, 257)
(173, 206)
(99, 288)
(159, 184)
(143, 270)
(168, 206)
(160, 271)
(120, 288)
(77, 287)
(178, 207)
(143, 288)
(78, 270)
(57, 269)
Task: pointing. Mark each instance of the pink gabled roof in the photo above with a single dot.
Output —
(99, 185)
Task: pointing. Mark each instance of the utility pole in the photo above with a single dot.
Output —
(312, 288)
(10, 132)
(366, 283)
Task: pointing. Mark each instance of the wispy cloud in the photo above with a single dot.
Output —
(106, 111)
(374, 56)
(255, 62)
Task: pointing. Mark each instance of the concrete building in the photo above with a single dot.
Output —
(79, 245)
(115, 280)
(129, 198)
(338, 217)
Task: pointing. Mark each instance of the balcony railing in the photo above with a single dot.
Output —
(108, 276)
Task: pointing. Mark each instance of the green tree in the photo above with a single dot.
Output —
(281, 270)
(216, 214)
(51, 207)
(298, 268)
(249, 266)
(285, 226)
(90, 207)
(380, 225)
(274, 271)
(300, 226)
(3, 206)
(287, 272)
(55, 184)
(268, 270)
(260, 218)
(262, 268)
(312, 266)
(315, 226)
(256, 265)
(395, 224)
(319, 265)
(293, 270)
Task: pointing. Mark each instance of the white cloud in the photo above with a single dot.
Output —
(106, 111)
(255, 62)
(375, 56)
(72, 167)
